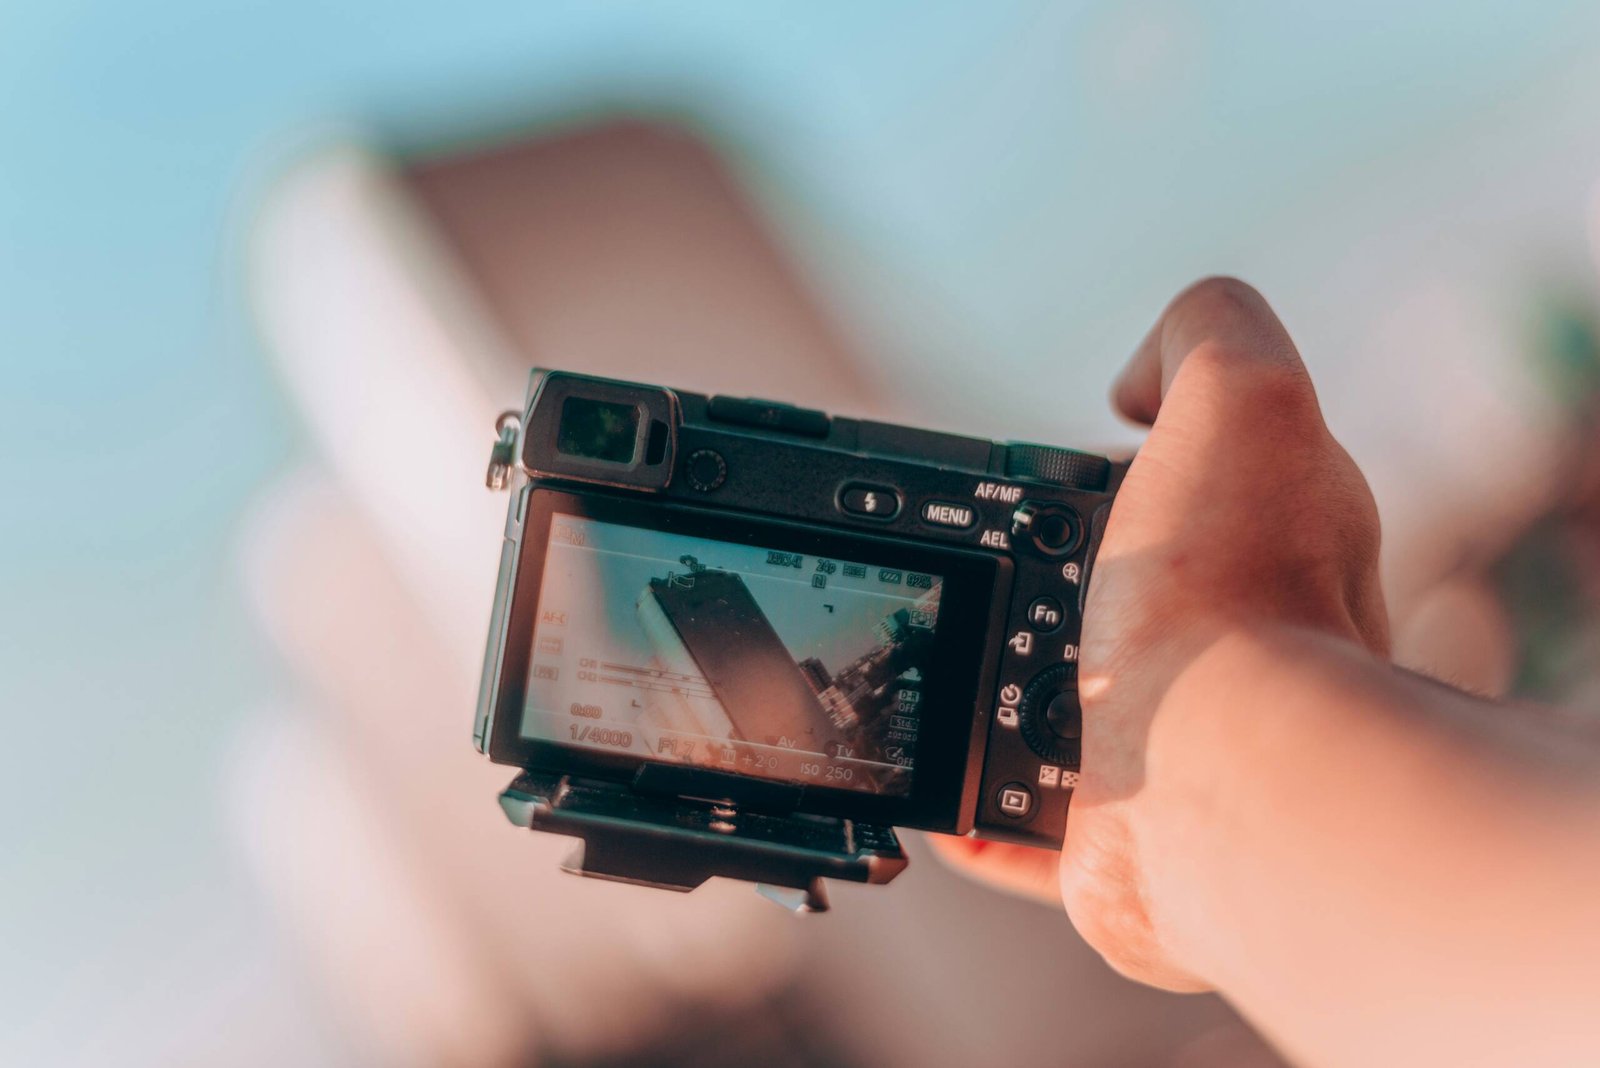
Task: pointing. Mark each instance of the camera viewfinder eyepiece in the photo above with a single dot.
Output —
(598, 430)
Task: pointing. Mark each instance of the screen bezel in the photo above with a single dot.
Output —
(967, 615)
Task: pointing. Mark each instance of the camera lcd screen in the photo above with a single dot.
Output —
(734, 657)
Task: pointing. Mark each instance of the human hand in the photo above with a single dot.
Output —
(1241, 514)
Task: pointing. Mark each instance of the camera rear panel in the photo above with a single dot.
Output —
(927, 486)
(1038, 509)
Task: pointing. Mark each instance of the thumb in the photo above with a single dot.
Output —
(1223, 325)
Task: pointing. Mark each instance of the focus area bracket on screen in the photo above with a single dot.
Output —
(677, 843)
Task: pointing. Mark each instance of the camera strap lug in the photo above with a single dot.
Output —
(502, 457)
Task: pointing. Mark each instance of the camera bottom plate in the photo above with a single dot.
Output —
(678, 843)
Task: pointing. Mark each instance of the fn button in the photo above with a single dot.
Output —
(1046, 614)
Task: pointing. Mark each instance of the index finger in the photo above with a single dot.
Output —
(1225, 322)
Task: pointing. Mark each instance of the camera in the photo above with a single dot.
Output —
(735, 637)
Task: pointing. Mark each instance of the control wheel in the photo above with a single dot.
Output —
(1049, 717)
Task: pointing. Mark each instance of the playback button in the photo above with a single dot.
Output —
(872, 502)
(1015, 800)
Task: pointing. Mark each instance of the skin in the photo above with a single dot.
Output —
(1374, 868)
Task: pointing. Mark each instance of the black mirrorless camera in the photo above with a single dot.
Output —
(739, 638)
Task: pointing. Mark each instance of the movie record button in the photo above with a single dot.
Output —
(1015, 800)
(872, 502)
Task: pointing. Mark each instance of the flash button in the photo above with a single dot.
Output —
(872, 502)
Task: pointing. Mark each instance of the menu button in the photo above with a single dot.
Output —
(946, 514)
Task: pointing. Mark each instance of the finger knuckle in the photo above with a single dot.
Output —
(1349, 510)
(1225, 322)
(1251, 381)
(1221, 293)
(1226, 307)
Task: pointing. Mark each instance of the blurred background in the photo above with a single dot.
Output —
(268, 270)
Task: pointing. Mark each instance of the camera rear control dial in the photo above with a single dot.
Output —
(1049, 716)
(1057, 466)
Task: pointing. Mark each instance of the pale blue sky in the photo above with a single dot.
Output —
(1000, 188)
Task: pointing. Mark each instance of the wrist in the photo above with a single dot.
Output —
(1245, 697)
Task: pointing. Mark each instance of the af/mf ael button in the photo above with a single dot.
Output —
(871, 502)
(1052, 528)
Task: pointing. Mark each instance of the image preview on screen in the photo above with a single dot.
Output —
(739, 658)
